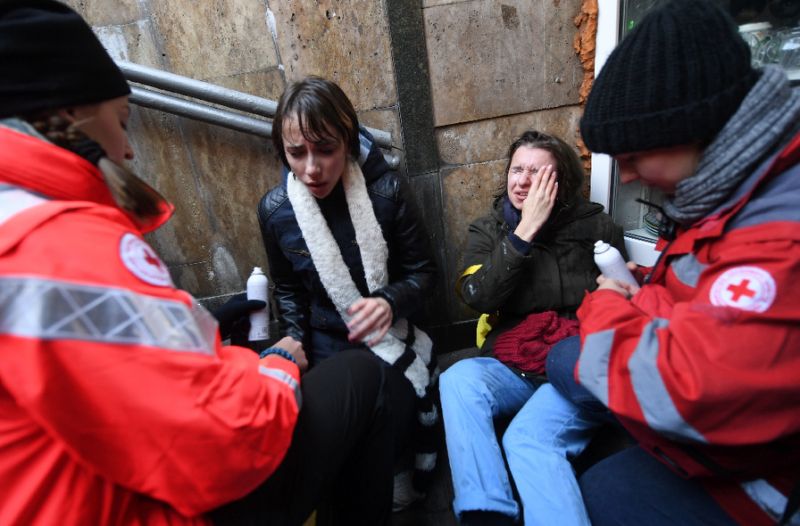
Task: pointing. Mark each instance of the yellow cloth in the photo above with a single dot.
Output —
(485, 321)
(483, 328)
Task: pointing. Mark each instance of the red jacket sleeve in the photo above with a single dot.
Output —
(130, 380)
(701, 369)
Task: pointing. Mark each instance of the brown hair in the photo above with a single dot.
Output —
(568, 165)
(129, 191)
(323, 112)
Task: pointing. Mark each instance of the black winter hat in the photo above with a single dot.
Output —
(676, 79)
(50, 59)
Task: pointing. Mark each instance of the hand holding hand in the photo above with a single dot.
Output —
(539, 204)
(370, 315)
(625, 289)
(295, 348)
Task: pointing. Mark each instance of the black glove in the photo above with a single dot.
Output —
(236, 309)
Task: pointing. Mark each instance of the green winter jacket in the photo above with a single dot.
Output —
(498, 280)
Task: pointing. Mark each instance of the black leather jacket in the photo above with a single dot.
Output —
(304, 310)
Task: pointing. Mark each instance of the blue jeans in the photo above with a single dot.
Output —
(629, 487)
(560, 366)
(632, 487)
(545, 432)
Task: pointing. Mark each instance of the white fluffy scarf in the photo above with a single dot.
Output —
(335, 276)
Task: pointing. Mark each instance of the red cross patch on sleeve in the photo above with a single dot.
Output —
(143, 262)
(746, 288)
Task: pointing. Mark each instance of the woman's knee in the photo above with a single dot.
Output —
(463, 377)
(359, 369)
(562, 358)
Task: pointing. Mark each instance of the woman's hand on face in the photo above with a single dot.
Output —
(538, 204)
(370, 316)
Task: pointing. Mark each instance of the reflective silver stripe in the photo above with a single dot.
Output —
(769, 499)
(51, 309)
(775, 201)
(593, 363)
(283, 376)
(651, 392)
(13, 201)
(687, 269)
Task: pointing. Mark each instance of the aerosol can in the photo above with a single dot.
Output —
(258, 289)
(610, 262)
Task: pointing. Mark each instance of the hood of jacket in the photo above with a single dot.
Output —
(51, 171)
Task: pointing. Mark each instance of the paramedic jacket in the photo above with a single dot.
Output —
(118, 403)
(702, 365)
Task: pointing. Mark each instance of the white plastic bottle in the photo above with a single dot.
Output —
(257, 289)
(610, 262)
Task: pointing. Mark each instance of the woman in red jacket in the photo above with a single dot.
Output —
(700, 363)
(118, 403)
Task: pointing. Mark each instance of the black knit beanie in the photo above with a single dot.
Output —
(51, 59)
(676, 79)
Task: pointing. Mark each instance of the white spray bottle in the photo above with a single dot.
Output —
(258, 289)
(610, 262)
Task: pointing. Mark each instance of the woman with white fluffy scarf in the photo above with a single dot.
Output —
(349, 257)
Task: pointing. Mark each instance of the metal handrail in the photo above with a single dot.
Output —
(156, 100)
(193, 110)
(205, 91)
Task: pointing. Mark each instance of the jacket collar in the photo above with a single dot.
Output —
(713, 225)
(561, 216)
(46, 169)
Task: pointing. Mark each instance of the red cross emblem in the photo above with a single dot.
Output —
(741, 290)
(142, 261)
(745, 288)
(151, 259)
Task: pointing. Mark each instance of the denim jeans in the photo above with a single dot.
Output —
(539, 443)
(629, 487)
(632, 487)
(560, 367)
(474, 392)
(545, 432)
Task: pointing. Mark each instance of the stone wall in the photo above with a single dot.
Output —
(454, 81)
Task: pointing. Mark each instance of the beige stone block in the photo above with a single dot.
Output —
(163, 161)
(267, 84)
(388, 120)
(234, 170)
(468, 193)
(105, 13)
(345, 41)
(385, 120)
(132, 42)
(489, 58)
(207, 40)
(434, 3)
(489, 139)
